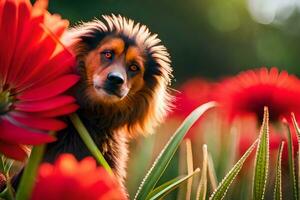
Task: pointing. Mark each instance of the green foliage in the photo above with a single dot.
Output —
(262, 160)
(202, 187)
(292, 163)
(221, 191)
(186, 165)
(149, 190)
(168, 151)
(212, 173)
(167, 187)
(278, 180)
(295, 124)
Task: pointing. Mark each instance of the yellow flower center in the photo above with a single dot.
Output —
(5, 101)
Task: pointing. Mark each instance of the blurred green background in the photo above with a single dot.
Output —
(209, 38)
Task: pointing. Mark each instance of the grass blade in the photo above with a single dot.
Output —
(165, 156)
(291, 163)
(182, 169)
(295, 124)
(262, 160)
(164, 189)
(186, 166)
(202, 187)
(220, 192)
(278, 186)
(190, 167)
(212, 173)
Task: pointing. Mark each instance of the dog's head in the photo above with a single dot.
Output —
(125, 69)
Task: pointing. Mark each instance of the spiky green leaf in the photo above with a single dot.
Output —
(291, 163)
(165, 156)
(186, 166)
(295, 124)
(222, 188)
(202, 187)
(212, 173)
(262, 159)
(167, 187)
(278, 186)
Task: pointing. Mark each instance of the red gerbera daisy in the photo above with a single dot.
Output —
(69, 179)
(249, 91)
(35, 69)
(191, 94)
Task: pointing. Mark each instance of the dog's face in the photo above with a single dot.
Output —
(125, 72)
(114, 69)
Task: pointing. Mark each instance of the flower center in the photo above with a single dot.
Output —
(5, 101)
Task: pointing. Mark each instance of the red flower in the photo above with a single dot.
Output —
(191, 94)
(35, 69)
(249, 91)
(275, 140)
(69, 179)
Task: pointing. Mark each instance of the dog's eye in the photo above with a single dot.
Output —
(108, 55)
(133, 68)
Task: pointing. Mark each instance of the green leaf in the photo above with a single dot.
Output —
(262, 160)
(190, 166)
(186, 166)
(165, 156)
(291, 163)
(278, 179)
(212, 173)
(88, 141)
(167, 187)
(298, 138)
(202, 187)
(220, 192)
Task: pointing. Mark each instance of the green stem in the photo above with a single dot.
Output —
(88, 141)
(30, 172)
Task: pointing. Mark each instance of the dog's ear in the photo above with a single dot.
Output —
(84, 37)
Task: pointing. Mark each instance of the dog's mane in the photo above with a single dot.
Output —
(154, 101)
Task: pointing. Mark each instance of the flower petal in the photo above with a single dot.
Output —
(47, 124)
(14, 134)
(31, 33)
(66, 65)
(33, 68)
(49, 90)
(64, 110)
(44, 105)
(7, 35)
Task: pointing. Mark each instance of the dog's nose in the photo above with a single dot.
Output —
(115, 78)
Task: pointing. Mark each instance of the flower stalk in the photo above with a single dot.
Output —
(88, 141)
(30, 171)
